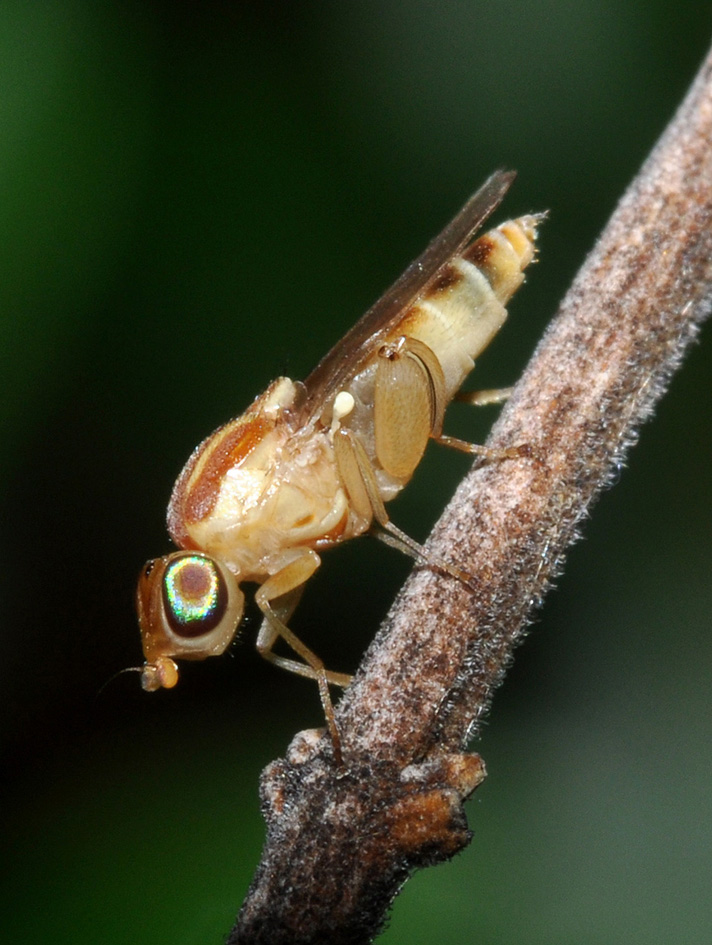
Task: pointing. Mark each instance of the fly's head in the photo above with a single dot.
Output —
(189, 606)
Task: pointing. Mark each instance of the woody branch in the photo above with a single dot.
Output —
(338, 847)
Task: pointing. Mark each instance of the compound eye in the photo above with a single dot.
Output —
(195, 595)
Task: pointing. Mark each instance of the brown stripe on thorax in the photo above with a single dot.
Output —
(198, 486)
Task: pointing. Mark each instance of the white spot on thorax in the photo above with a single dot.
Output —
(343, 405)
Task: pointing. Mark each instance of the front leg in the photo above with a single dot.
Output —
(277, 598)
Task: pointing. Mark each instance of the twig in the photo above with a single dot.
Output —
(339, 847)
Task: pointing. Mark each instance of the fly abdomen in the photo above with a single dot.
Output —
(464, 307)
(503, 254)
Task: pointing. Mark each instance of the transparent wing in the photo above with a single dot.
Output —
(345, 358)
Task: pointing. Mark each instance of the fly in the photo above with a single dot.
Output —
(311, 465)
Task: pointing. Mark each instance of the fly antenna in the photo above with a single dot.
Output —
(129, 669)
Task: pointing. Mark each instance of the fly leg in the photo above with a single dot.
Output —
(410, 397)
(277, 598)
(480, 398)
(359, 480)
(409, 407)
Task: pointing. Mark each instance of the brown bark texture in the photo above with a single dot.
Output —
(340, 843)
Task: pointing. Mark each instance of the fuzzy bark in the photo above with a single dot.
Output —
(340, 844)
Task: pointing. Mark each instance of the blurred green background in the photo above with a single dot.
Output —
(197, 197)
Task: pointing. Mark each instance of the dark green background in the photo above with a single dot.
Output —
(195, 198)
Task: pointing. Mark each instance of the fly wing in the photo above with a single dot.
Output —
(345, 358)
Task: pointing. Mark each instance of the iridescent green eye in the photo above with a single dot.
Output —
(194, 595)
